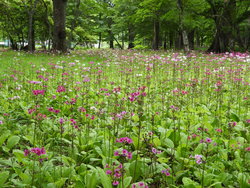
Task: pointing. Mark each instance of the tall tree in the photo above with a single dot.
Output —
(59, 35)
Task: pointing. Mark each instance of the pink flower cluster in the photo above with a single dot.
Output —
(232, 124)
(139, 185)
(38, 92)
(37, 151)
(115, 172)
(135, 95)
(60, 89)
(124, 153)
(198, 159)
(124, 140)
(51, 109)
(155, 151)
(166, 172)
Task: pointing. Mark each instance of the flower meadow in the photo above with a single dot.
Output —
(126, 119)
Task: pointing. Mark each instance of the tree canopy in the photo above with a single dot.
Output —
(214, 25)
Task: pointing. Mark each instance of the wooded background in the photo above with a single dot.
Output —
(212, 25)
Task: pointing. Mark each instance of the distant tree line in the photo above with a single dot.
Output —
(217, 25)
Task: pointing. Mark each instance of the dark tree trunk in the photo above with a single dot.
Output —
(179, 41)
(131, 37)
(191, 40)
(165, 41)
(31, 33)
(59, 15)
(13, 44)
(100, 40)
(198, 41)
(156, 37)
(111, 43)
(225, 26)
(171, 42)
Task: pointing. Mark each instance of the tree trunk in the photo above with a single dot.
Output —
(59, 15)
(31, 33)
(171, 42)
(185, 40)
(225, 26)
(131, 37)
(100, 40)
(156, 37)
(165, 41)
(191, 40)
(220, 42)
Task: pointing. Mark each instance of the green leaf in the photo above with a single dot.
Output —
(127, 181)
(234, 117)
(60, 182)
(216, 185)
(105, 180)
(216, 122)
(12, 141)
(4, 136)
(187, 181)
(19, 154)
(3, 177)
(168, 143)
(91, 180)
(135, 170)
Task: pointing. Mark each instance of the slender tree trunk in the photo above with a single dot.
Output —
(165, 41)
(191, 40)
(59, 15)
(171, 42)
(31, 29)
(99, 40)
(131, 37)
(156, 37)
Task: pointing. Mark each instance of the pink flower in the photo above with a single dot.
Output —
(108, 172)
(37, 151)
(38, 92)
(60, 89)
(116, 153)
(247, 149)
(166, 172)
(208, 140)
(115, 183)
(141, 184)
(218, 130)
(233, 124)
(26, 152)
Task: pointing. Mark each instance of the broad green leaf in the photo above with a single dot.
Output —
(4, 136)
(169, 143)
(234, 117)
(3, 177)
(187, 181)
(12, 141)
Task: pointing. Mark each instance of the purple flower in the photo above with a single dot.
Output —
(166, 172)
